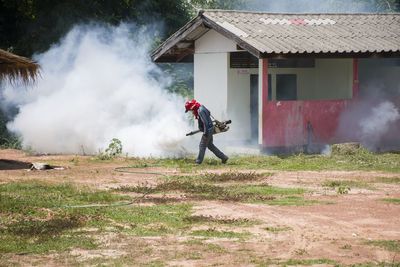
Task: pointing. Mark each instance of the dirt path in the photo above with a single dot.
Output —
(338, 228)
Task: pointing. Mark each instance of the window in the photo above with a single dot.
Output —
(286, 87)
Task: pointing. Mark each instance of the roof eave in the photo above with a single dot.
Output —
(182, 33)
(376, 54)
(176, 37)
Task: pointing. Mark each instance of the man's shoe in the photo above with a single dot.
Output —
(224, 160)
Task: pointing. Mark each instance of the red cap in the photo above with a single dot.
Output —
(191, 104)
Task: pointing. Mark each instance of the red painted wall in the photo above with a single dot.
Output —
(285, 122)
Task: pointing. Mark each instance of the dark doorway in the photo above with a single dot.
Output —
(254, 107)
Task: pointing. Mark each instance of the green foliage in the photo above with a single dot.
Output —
(218, 4)
(32, 26)
(114, 150)
(181, 78)
(342, 189)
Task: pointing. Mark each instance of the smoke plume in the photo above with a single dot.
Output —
(98, 83)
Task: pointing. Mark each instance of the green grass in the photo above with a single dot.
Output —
(221, 221)
(199, 190)
(211, 232)
(355, 159)
(307, 262)
(33, 219)
(377, 264)
(32, 197)
(294, 262)
(392, 200)
(389, 245)
(157, 220)
(388, 180)
(347, 183)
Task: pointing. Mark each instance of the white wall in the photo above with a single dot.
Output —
(211, 82)
(329, 79)
(239, 102)
(213, 42)
(211, 75)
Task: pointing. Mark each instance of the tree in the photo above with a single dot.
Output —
(28, 26)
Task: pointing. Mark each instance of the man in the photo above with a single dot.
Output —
(203, 115)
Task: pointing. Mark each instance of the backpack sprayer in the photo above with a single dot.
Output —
(219, 127)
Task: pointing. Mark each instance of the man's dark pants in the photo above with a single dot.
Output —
(207, 142)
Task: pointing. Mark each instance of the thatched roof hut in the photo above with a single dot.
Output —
(13, 67)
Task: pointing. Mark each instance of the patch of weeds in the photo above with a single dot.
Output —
(346, 183)
(146, 220)
(277, 229)
(377, 264)
(346, 246)
(40, 227)
(344, 186)
(215, 248)
(392, 200)
(220, 220)
(32, 220)
(301, 252)
(211, 232)
(10, 243)
(240, 193)
(292, 201)
(155, 263)
(308, 262)
(388, 180)
(357, 159)
(234, 176)
(390, 245)
(342, 190)
(269, 190)
(194, 255)
(30, 198)
(113, 150)
(295, 262)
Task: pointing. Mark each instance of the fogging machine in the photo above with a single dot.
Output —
(219, 127)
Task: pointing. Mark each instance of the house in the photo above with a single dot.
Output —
(284, 79)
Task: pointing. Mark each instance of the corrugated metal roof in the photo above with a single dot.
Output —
(272, 33)
(312, 33)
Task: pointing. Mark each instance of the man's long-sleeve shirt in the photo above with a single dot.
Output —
(204, 121)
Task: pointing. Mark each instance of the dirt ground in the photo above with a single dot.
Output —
(337, 229)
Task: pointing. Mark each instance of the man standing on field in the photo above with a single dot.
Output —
(205, 124)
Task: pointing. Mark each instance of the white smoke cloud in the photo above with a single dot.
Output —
(377, 123)
(99, 84)
(313, 6)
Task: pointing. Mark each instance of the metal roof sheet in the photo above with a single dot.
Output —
(272, 33)
(313, 33)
